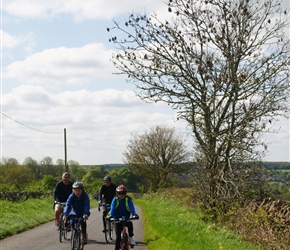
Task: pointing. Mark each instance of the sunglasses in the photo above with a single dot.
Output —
(121, 193)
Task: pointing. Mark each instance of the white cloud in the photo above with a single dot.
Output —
(85, 9)
(99, 122)
(8, 41)
(63, 66)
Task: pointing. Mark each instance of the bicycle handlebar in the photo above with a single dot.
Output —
(58, 202)
(79, 219)
(103, 205)
(123, 219)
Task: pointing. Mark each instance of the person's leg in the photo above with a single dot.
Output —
(84, 226)
(71, 219)
(84, 231)
(57, 212)
(104, 220)
(129, 224)
(118, 230)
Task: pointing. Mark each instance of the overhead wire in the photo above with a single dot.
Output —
(27, 125)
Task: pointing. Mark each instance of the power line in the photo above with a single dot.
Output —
(27, 125)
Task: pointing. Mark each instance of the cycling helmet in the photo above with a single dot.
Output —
(78, 185)
(107, 178)
(122, 189)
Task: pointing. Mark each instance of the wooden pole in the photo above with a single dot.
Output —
(65, 152)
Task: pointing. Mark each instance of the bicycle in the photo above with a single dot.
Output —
(125, 243)
(109, 225)
(62, 224)
(77, 242)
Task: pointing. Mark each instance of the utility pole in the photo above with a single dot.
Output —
(65, 153)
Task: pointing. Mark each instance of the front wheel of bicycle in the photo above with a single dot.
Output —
(107, 230)
(61, 230)
(125, 242)
(72, 240)
(76, 243)
(112, 228)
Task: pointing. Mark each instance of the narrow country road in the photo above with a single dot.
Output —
(45, 237)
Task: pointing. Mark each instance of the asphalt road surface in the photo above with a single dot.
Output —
(46, 237)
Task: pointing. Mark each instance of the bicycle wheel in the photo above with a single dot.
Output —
(77, 240)
(61, 230)
(112, 228)
(125, 242)
(107, 230)
(65, 227)
(73, 240)
(81, 241)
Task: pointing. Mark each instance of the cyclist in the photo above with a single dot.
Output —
(61, 192)
(78, 205)
(107, 193)
(122, 206)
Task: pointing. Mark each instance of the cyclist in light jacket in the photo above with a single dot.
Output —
(122, 206)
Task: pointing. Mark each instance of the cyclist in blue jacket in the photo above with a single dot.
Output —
(122, 206)
(78, 205)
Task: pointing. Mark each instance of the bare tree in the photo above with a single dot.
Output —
(156, 155)
(224, 65)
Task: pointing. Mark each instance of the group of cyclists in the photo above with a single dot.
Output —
(77, 204)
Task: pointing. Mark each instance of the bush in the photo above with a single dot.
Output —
(22, 195)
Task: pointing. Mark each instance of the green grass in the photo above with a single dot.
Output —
(19, 216)
(168, 226)
(16, 217)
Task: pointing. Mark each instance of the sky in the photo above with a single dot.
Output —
(57, 75)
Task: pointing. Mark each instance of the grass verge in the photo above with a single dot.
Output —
(169, 226)
(16, 217)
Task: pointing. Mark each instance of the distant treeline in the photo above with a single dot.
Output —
(277, 165)
(268, 164)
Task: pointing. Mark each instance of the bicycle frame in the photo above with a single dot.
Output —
(62, 224)
(109, 226)
(125, 243)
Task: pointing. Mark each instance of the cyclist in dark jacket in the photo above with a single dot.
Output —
(107, 193)
(61, 192)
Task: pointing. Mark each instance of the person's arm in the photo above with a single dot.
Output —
(101, 193)
(87, 205)
(55, 192)
(132, 207)
(67, 206)
(112, 208)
